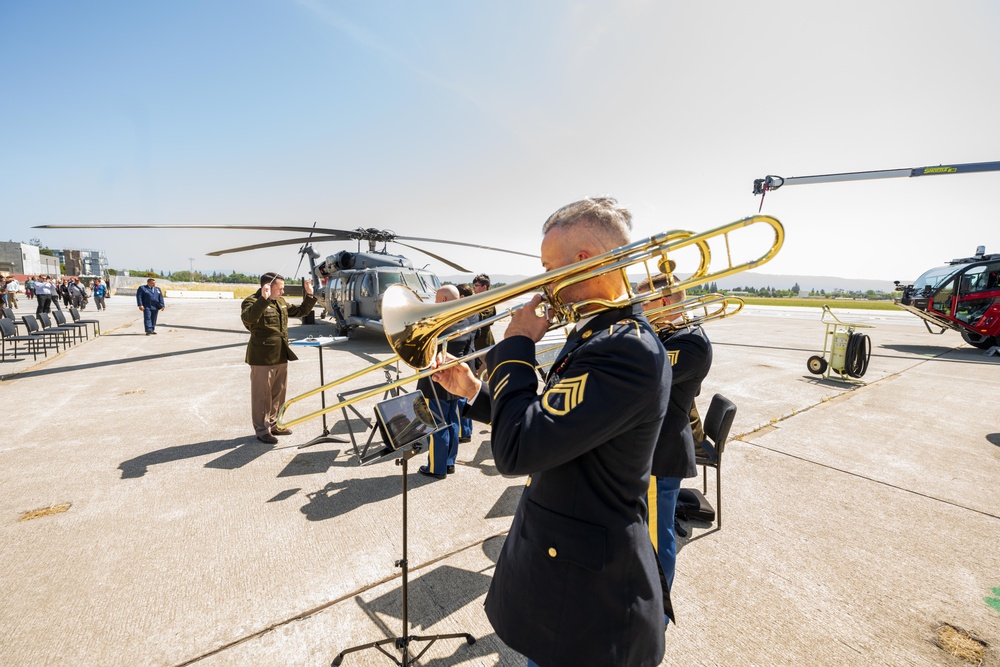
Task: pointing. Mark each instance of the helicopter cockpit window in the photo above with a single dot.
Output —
(413, 282)
(980, 279)
(368, 285)
(934, 278)
(972, 304)
(385, 279)
(941, 301)
(431, 282)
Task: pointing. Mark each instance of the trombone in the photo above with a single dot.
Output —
(694, 311)
(415, 330)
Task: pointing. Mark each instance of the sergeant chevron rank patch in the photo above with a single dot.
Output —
(500, 385)
(565, 395)
(673, 355)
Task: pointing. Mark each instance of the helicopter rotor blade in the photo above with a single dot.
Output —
(360, 234)
(273, 244)
(437, 257)
(467, 245)
(334, 234)
(302, 255)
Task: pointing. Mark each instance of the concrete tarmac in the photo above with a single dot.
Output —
(858, 519)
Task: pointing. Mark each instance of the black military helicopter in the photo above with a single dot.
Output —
(348, 285)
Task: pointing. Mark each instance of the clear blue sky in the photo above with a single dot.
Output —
(475, 120)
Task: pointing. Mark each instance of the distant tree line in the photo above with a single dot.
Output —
(232, 278)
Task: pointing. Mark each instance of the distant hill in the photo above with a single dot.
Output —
(807, 283)
(752, 279)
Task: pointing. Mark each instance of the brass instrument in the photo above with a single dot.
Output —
(694, 312)
(416, 330)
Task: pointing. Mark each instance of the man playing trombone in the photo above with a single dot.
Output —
(577, 581)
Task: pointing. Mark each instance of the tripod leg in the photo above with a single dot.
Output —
(469, 639)
(375, 645)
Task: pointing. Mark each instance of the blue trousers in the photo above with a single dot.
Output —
(663, 493)
(149, 318)
(465, 429)
(443, 448)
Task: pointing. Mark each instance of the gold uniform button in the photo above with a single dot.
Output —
(586, 334)
(552, 552)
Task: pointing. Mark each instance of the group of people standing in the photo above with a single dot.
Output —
(46, 290)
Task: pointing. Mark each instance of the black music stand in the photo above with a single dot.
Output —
(319, 343)
(397, 420)
(395, 391)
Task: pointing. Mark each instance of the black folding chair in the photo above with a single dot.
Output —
(718, 421)
(47, 325)
(56, 336)
(75, 326)
(76, 318)
(9, 314)
(10, 335)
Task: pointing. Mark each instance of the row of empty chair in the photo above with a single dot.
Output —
(41, 333)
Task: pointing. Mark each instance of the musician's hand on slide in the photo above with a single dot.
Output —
(525, 322)
(458, 379)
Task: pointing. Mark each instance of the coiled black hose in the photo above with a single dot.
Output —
(858, 352)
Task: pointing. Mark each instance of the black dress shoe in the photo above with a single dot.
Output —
(451, 469)
(424, 470)
(466, 438)
(280, 431)
(268, 438)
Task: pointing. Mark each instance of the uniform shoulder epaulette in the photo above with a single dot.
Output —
(632, 325)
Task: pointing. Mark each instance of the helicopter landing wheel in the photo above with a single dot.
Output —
(816, 365)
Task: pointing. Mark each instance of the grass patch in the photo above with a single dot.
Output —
(860, 304)
(961, 643)
(239, 291)
(45, 511)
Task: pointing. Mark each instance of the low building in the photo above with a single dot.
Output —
(22, 258)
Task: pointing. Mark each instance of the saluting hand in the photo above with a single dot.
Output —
(265, 290)
(309, 287)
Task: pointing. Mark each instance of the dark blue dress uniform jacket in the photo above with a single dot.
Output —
(690, 355)
(577, 582)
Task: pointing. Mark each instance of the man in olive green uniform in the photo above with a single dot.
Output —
(265, 314)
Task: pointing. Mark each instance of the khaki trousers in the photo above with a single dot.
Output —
(267, 394)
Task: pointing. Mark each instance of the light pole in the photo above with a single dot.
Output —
(191, 260)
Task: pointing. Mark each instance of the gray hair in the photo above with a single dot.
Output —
(610, 223)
